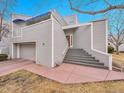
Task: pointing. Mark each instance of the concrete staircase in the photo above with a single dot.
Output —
(81, 57)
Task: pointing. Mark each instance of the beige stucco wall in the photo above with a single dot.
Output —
(51, 43)
(39, 33)
(100, 36)
(86, 37)
(82, 38)
(100, 43)
(60, 43)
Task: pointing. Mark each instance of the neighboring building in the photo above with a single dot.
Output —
(47, 38)
(121, 47)
(4, 43)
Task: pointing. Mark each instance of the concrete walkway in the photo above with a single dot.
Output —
(66, 73)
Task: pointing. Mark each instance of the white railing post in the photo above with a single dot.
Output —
(110, 62)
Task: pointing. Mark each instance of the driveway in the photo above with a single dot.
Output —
(10, 66)
(65, 73)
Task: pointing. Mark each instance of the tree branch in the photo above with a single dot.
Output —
(120, 42)
(97, 12)
(106, 1)
(70, 3)
(93, 1)
(112, 36)
(112, 41)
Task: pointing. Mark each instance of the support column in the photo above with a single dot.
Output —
(12, 50)
(18, 50)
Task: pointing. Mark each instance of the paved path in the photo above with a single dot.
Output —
(65, 73)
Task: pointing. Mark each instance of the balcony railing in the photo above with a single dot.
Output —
(17, 32)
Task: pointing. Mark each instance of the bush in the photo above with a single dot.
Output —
(110, 49)
(3, 57)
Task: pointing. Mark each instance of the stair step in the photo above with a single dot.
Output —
(86, 64)
(78, 56)
(83, 61)
(81, 57)
(86, 59)
(75, 49)
(77, 52)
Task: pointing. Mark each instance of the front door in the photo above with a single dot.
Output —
(69, 39)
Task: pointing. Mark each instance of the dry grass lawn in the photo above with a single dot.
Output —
(118, 59)
(27, 82)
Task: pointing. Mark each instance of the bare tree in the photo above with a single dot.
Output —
(116, 28)
(5, 10)
(85, 6)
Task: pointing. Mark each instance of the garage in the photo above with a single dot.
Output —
(27, 51)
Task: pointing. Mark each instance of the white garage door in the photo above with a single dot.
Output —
(27, 51)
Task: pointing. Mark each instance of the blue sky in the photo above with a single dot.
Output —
(30, 7)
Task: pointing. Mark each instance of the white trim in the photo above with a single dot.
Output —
(52, 54)
(101, 52)
(91, 35)
(36, 53)
(76, 25)
(103, 57)
(110, 62)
